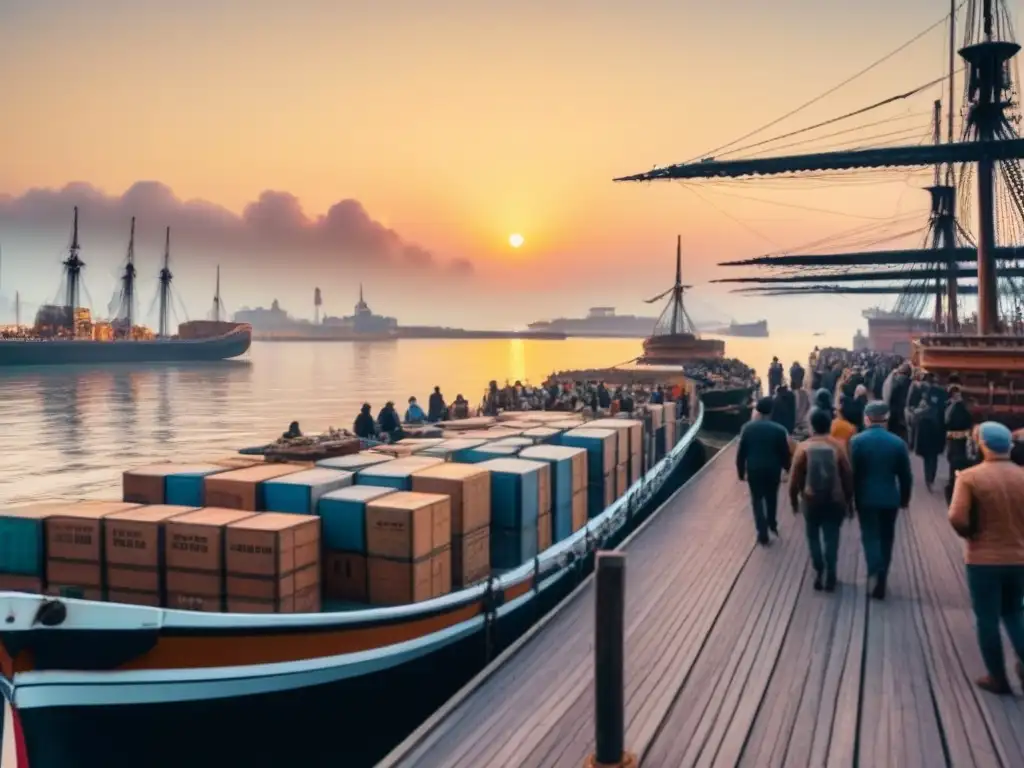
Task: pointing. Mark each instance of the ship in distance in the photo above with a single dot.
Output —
(602, 321)
(66, 334)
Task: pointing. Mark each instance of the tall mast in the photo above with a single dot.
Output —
(987, 78)
(165, 284)
(678, 288)
(216, 298)
(937, 138)
(128, 283)
(17, 310)
(73, 268)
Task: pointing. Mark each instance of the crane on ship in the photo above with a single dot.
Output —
(991, 358)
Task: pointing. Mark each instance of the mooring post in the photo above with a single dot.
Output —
(609, 651)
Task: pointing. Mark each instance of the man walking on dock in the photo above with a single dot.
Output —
(882, 482)
(986, 511)
(763, 455)
(821, 487)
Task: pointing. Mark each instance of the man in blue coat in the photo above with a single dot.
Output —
(882, 481)
(763, 455)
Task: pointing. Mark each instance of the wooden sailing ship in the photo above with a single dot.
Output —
(675, 338)
(986, 354)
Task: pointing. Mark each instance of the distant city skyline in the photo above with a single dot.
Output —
(323, 143)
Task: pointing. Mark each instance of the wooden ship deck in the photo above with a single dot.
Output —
(733, 660)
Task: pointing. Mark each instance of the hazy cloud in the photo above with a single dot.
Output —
(274, 227)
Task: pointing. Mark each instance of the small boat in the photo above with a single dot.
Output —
(105, 685)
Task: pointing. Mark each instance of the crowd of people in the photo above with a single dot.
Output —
(866, 415)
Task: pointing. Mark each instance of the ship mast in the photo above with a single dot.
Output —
(17, 310)
(216, 299)
(73, 270)
(165, 284)
(679, 321)
(128, 284)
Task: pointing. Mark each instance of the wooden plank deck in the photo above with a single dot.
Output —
(733, 660)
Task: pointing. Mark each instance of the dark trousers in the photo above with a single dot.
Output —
(931, 468)
(764, 496)
(822, 528)
(877, 533)
(956, 453)
(997, 592)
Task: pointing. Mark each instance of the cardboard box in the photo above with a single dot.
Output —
(271, 558)
(407, 526)
(621, 480)
(243, 488)
(471, 557)
(579, 510)
(149, 485)
(345, 577)
(397, 473)
(544, 533)
(469, 488)
(194, 554)
(75, 547)
(135, 550)
(400, 582)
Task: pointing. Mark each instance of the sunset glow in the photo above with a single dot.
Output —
(516, 240)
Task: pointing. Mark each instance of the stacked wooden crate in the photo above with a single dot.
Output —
(469, 489)
(343, 521)
(272, 564)
(408, 542)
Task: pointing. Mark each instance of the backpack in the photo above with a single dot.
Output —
(822, 473)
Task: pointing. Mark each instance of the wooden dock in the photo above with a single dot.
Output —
(733, 659)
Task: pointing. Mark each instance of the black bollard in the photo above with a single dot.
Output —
(609, 645)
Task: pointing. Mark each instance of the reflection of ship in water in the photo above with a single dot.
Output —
(124, 399)
(600, 322)
(60, 400)
(66, 333)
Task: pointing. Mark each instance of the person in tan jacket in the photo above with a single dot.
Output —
(821, 487)
(987, 510)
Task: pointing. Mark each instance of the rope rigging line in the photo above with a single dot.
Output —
(866, 142)
(801, 207)
(830, 91)
(861, 111)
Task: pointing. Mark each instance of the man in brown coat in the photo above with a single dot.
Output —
(987, 510)
(821, 487)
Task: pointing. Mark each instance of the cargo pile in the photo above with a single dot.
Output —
(393, 525)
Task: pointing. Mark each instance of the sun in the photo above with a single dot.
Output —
(516, 240)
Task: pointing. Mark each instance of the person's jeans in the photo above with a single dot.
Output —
(997, 592)
(822, 528)
(877, 533)
(764, 496)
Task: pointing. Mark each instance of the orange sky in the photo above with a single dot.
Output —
(456, 122)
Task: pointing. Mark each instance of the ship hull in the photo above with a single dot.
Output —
(85, 352)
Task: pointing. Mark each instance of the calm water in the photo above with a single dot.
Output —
(69, 432)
